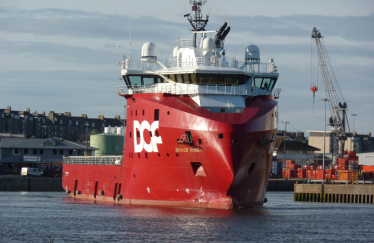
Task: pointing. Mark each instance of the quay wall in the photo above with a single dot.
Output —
(19, 183)
(282, 184)
(338, 193)
(31, 184)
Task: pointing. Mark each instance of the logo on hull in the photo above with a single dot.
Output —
(152, 146)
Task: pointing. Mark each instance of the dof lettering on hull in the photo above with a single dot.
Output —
(152, 146)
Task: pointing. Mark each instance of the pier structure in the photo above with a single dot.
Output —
(338, 193)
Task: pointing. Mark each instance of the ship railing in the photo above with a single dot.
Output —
(93, 160)
(184, 43)
(200, 62)
(208, 89)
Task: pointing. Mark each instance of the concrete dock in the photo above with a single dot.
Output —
(339, 193)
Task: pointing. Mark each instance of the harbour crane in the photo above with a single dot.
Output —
(337, 104)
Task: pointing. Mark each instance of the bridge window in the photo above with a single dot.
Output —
(272, 83)
(186, 78)
(231, 79)
(207, 79)
(224, 79)
(147, 80)
(193, 78)
(158, 79)
(179, 78)
(171, 77)
(257, 82)
(264, 83)
(135, 80)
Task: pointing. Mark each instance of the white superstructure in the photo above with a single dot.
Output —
(200, 68)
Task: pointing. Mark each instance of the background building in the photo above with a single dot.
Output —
(22, 152)
(361, 144)
(296, 136)
(63, 125)
(288, 149)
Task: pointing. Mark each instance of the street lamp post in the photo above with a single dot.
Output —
(87, 125)
(284, 143)
(324, 142)
(353, 138)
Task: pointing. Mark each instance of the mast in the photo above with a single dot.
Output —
(197, 22)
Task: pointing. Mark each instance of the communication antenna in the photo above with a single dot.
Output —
(197, 22)
(129, 37)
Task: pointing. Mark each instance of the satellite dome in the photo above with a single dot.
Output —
(252, 54)
(175, 52)
(149, 52)
(208, 44)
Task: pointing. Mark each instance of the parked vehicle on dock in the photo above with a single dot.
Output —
(26, 171)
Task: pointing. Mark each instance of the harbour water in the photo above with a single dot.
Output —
(35, 216)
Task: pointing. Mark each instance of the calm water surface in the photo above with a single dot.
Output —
(34, 216)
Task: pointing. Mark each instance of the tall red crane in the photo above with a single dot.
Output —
(337, 104)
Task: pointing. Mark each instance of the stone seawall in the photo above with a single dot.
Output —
(32, 184)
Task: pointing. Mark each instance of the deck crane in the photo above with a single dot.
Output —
(337, 104)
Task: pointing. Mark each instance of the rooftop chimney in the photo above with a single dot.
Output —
(8, 109)
(84, 116)
(51, 115)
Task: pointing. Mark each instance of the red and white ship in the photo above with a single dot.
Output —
(200, 129)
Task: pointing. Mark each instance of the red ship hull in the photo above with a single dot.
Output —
(225, 163)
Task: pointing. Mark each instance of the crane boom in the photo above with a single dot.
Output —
(337, 104)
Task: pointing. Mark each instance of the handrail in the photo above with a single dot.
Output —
(93, 160)
(219, 89)
(200, 62)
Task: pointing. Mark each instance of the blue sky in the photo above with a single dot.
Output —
(64, 55)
